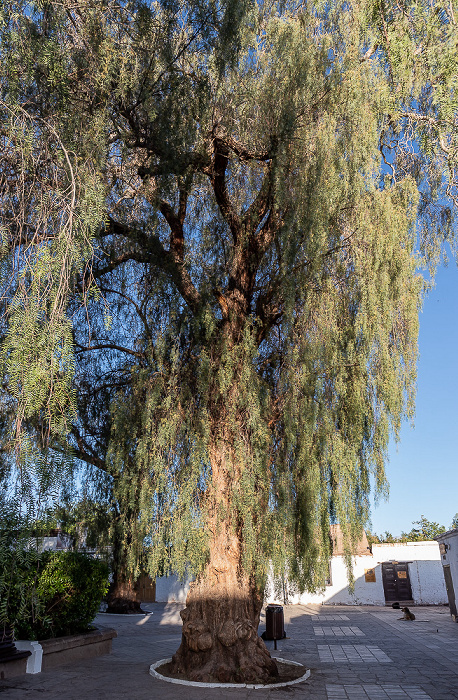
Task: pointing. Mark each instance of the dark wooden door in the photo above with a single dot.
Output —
(450, 590)
(146, 589)
(396, 582)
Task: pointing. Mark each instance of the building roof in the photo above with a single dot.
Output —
(447, 534)
(361, 548)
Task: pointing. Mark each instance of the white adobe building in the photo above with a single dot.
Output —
(448, 548)
(409, 573)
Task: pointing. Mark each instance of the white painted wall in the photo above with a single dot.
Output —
(427, 580)
(450, 557)
(407, 551)
(425, 571)
(337, 593)
(43, 544)
(169, 589)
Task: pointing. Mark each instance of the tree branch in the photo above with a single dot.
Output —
(108, 346)
(153, 252)
(175, 223)
(258, 208)
(245, 153)
(433, 122)
(218, 180)
(141, 315)
(85, 453)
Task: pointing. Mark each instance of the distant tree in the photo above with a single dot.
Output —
(426, 530)
(209, 212)
(454, 523)
(384, 538)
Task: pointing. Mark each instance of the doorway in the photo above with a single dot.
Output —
(146, 589)
(396, 582)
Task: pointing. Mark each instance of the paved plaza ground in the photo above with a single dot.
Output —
(354, 653)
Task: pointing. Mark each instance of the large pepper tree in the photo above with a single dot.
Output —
(212, 214)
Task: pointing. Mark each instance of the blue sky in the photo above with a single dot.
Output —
(422, 470)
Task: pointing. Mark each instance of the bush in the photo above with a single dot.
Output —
(65, 590)
(18, 596)
(71, 586)
(18, 569)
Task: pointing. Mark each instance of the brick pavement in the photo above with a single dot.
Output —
(355, 653)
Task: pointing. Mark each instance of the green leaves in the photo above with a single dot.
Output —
(50, 210)
(48, 594)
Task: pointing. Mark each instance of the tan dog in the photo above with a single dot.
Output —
(407, 614)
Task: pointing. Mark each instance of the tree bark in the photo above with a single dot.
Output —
(219, 641)
(122, 597)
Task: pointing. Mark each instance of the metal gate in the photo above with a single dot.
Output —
(396, 582)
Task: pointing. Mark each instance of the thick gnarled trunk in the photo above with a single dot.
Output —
(220, 642)
(122, 597)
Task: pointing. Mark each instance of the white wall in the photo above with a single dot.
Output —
(451, 556)
(44, 544)
(427, 580)
(407, 551)
(338, 593)
(170, 589)
(425, 571)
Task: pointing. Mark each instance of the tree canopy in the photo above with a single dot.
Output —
(212, 219)
(425, 530)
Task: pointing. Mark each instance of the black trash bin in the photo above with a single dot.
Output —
(275, 622)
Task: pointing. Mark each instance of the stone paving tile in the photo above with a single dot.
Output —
(352, 653)
(370, 691)
(319, 631)
(375, 692)
(424, 662)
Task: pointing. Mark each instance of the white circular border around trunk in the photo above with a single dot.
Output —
(156, 674)
(126, 615)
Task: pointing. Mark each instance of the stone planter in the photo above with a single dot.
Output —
(49, 653)
(13, 659)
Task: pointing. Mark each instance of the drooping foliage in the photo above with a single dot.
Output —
(210, 213)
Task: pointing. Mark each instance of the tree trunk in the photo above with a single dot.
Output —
(122, 598)
(219, 641)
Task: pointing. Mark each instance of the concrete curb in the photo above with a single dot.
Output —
(195, 684)
(35, 659)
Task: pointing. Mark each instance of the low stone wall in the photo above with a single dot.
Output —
(65, 650)
(49, 653)
(14, 666)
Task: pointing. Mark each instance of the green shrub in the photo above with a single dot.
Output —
(59, 593)
(19, 568)
(70, 587)
(19, 565)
